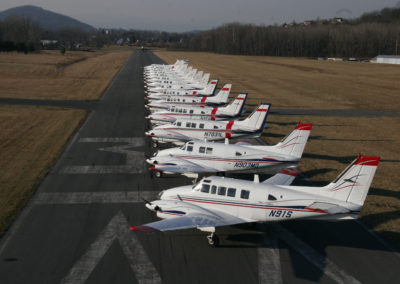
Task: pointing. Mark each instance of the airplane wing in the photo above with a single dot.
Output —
(285, 177)
(182, 166)
(194, 217)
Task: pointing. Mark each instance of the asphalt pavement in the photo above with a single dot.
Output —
(75, 228)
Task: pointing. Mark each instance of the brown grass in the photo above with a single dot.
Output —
(335, 141)
(31, 140)
(302, 83)
(51, 75)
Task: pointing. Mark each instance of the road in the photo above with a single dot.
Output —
(75, 228)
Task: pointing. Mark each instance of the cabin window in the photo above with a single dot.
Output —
(202, 112)
(180, 110)
(231, 192)
(184, 111)
(179, 100)
(238, 154)
(194, 125)
(271, 197)
(187, 124)
(215, 127)
(183, 100)
(221, 190)
(202, 150)
(244, 194)
(193, 101)
(205, 188)
(168, 100)
(191, 111)
(189, 148)
(201, 125)
(179, 123)
(209, 150)
(214, 189)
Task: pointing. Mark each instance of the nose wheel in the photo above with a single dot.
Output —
(213, 240)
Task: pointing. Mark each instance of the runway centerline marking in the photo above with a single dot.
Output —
(135, 160)
(117, 229)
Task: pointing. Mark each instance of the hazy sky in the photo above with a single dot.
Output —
(186, 15)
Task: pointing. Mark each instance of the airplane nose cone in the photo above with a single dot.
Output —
(149, 161)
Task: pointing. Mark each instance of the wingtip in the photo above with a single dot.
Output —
(143, 229)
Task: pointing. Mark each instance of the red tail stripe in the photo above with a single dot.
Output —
(304, 126)
(203, 99)
(225, 89)
(368, 161)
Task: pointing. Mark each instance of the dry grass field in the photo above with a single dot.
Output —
(76, 75)
(32, 138)
(335, 141)
(302, 83)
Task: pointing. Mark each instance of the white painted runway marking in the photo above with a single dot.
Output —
(94, 197)
(117, 229)
(330, 269)
(135, 161)
(269, 262)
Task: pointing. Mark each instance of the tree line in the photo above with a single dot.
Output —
(367, 36)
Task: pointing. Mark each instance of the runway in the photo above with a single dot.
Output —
(75, 228)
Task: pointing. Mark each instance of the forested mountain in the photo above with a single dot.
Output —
(47, 19)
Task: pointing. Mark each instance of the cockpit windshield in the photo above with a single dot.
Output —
(183, 147)
(197, 186)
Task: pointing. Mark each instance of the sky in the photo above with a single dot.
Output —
(188, 15)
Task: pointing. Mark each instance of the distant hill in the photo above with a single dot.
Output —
(47, 19)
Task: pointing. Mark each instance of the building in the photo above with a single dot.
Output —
(387, 59)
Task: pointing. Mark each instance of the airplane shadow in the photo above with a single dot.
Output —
(302, 243)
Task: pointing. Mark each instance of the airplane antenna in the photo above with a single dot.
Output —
(256, 178)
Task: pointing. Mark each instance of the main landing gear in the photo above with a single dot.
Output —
(213, 240)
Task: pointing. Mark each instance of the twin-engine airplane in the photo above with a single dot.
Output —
(209, 157)
(218, 99)
(209, 90)
(231, 111)
(219, 201)
(194, 129)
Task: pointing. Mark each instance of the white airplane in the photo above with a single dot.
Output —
(209, 157)
(231, 111)
(219, 201)
(209, 90)
(218, 99)
(180, 85)
(194, 129)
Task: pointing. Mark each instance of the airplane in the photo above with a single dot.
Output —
(209, 90)
(177, 85)
(196, 157)
(218, 99)
(231, 111)
(183, 130)
(219, 201)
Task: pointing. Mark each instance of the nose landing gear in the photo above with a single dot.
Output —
(213, 240)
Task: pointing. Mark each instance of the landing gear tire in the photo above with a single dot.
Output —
(213, 240)
(158, 174)
(155, 144)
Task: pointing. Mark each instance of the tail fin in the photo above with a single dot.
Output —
(205, 79)
(198, 76)
(222, 96)
(209, 90)
(256, 120)
(296, 141)
(235, 108)
(353, 183)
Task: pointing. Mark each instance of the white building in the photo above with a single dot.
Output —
(387, 59)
